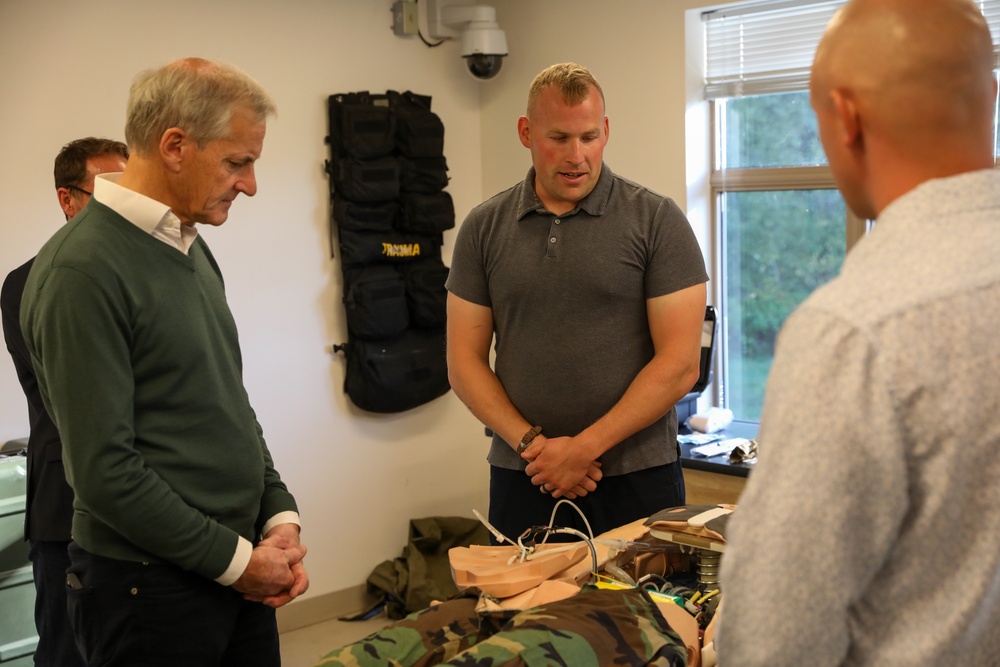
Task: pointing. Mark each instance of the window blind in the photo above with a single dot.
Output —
(991, 10)
(768, 47)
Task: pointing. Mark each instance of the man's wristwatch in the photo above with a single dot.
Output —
(528, 437)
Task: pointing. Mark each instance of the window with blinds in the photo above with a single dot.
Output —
(762, 49)
(780, 223)
(768, 47)
(781, 226)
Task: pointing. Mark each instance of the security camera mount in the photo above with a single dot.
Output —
(475, 25)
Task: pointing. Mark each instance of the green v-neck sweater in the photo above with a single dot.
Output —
(138, 360)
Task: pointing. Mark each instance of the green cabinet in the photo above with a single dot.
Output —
(17, 591)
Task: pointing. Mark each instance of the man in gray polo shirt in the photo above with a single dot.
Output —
(595, 290)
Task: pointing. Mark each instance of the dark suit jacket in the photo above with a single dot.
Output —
(49, 510)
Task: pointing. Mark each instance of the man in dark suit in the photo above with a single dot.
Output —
(50, 499)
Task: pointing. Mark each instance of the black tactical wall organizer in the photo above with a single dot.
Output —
(390, 211)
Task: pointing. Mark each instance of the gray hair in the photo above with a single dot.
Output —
(198, 96)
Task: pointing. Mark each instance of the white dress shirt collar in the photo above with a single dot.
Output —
(149, 215)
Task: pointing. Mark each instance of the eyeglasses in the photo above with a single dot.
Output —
(73, 187)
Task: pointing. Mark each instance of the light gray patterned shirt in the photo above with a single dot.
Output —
(869, 532)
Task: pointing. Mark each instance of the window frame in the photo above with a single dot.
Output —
(765, 72)
(752, 179)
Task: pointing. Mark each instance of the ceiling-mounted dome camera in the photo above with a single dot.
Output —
(484, 44)
(483, 66)
(484, 48)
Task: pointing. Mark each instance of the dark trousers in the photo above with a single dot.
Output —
(56, 645)
(136, 615)
(516, 504)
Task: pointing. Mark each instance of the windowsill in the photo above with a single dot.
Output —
(721, 463)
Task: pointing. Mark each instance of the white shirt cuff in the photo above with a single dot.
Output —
(239, 563)
(279, 518)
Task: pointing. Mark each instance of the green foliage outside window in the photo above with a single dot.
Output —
(771, 131)
(780, 244)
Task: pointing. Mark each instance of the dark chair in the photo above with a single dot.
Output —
(688, 405)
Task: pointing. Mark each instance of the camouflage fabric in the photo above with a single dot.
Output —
(591, 629)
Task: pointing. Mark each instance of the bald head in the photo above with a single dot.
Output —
(918, 74)
(935, 53)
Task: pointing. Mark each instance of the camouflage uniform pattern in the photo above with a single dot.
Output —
(594, 628)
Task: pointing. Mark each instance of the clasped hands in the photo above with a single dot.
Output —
(275, 575)
(561, 467)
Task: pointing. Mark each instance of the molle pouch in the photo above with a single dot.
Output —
(426, 296)
(419, 131)
(427, 213)
(398, 374)
(424, 174)
(375, 298)
(361, 125)
(389, 211)
(379, 217)
(367, 247)
(367, 181)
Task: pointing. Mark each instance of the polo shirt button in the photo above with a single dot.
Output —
(558, 221)
(134, 591)
(552, 240)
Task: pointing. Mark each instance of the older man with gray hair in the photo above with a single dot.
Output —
(185, 537)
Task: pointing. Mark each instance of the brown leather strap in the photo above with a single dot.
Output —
(528, 437)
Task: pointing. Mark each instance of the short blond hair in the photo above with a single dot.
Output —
(574, 82)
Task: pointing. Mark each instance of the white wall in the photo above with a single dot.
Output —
(65, 68)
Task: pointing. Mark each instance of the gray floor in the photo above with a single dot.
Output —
(305, 646)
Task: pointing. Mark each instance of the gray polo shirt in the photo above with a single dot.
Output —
(568, 295)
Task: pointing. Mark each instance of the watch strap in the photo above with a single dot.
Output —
(528, 437)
